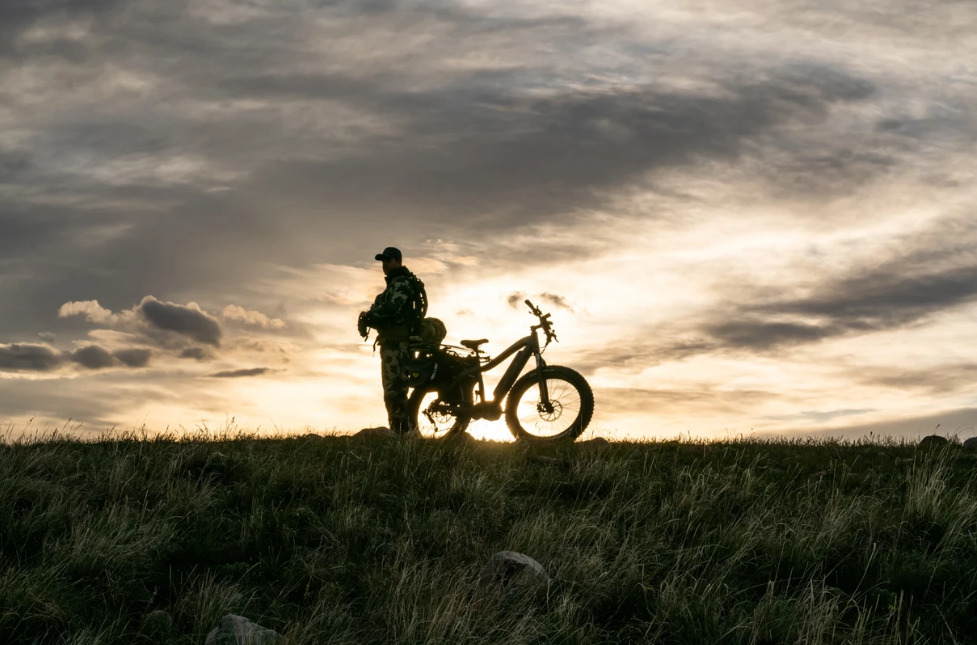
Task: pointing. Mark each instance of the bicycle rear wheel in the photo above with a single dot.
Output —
(571, 405)
(434, 418)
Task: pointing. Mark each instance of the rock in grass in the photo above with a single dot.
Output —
(970, 444)
(157, 626)
(933, 441)
(462, 439)
(238, 630)
(382, 431)
(511, 568)
(595, 442)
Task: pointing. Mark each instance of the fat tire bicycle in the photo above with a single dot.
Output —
(548, 403)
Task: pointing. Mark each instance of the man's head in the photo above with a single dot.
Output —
(392, 259)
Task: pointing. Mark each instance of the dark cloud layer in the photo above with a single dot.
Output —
(504, 160)
(28, 357)
(952, 377)
(254, 371)
(886, 297)
(187, 321)
(878, 300)
(196, 353)
(93, 357)
(925, 275)
(23, 357)
(133, 357)
(461, 153)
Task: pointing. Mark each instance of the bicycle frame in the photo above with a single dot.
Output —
(522, 350)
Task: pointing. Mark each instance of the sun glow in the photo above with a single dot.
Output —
(490, 430)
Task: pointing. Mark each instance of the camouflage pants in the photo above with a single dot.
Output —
(394, 356)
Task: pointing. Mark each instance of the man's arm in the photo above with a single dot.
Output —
(390, 307)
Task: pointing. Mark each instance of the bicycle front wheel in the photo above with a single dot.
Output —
(434, 418)
(566, 414)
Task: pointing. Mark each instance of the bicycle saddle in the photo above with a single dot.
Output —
(473, 344)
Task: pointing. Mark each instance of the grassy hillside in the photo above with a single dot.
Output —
(334, 540)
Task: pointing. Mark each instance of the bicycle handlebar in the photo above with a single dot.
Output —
(544, 322)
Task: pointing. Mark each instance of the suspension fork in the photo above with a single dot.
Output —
(544, 393)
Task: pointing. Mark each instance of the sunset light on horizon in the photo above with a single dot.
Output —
(746, 219)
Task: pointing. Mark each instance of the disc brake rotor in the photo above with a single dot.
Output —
(550, 416)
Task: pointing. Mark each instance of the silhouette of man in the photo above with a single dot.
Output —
(393, 315)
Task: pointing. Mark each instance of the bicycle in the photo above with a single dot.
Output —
(548, 403)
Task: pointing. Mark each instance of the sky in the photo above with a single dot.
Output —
(746, 218)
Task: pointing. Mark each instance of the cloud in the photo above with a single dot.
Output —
(187, 320)
(517, 299)
(196, 353)
(28, 357)
(885, 298)
(634, 401)
(159, 323)
(505, 159)
(961, 421)
(93, 357)
(945, 378)
(270, 350)
(251, 317)
(168, 326)
(465, 143)
(756, 334)
(42, 358)
(150, 322)
(901, 281)
(89, 309)
(818, 416)
(136, 357)
(556, 300)
(878, 300)
(254, 371)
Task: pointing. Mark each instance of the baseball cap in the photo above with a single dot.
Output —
(390, 253)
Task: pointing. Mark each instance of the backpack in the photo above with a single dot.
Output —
(418, 303)
(430, 330)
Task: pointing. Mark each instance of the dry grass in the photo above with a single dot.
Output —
(337, 540)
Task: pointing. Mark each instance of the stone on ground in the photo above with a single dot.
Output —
(970, 444)
(594, 442)
(382, 431)
(238, 630)
(933, 441)
(157, 626)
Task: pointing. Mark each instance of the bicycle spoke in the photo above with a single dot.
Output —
(433, 422)
(565, 400)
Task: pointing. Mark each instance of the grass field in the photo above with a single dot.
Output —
(345, 540)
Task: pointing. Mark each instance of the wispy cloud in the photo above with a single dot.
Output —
(252, 317)
(254, 371)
